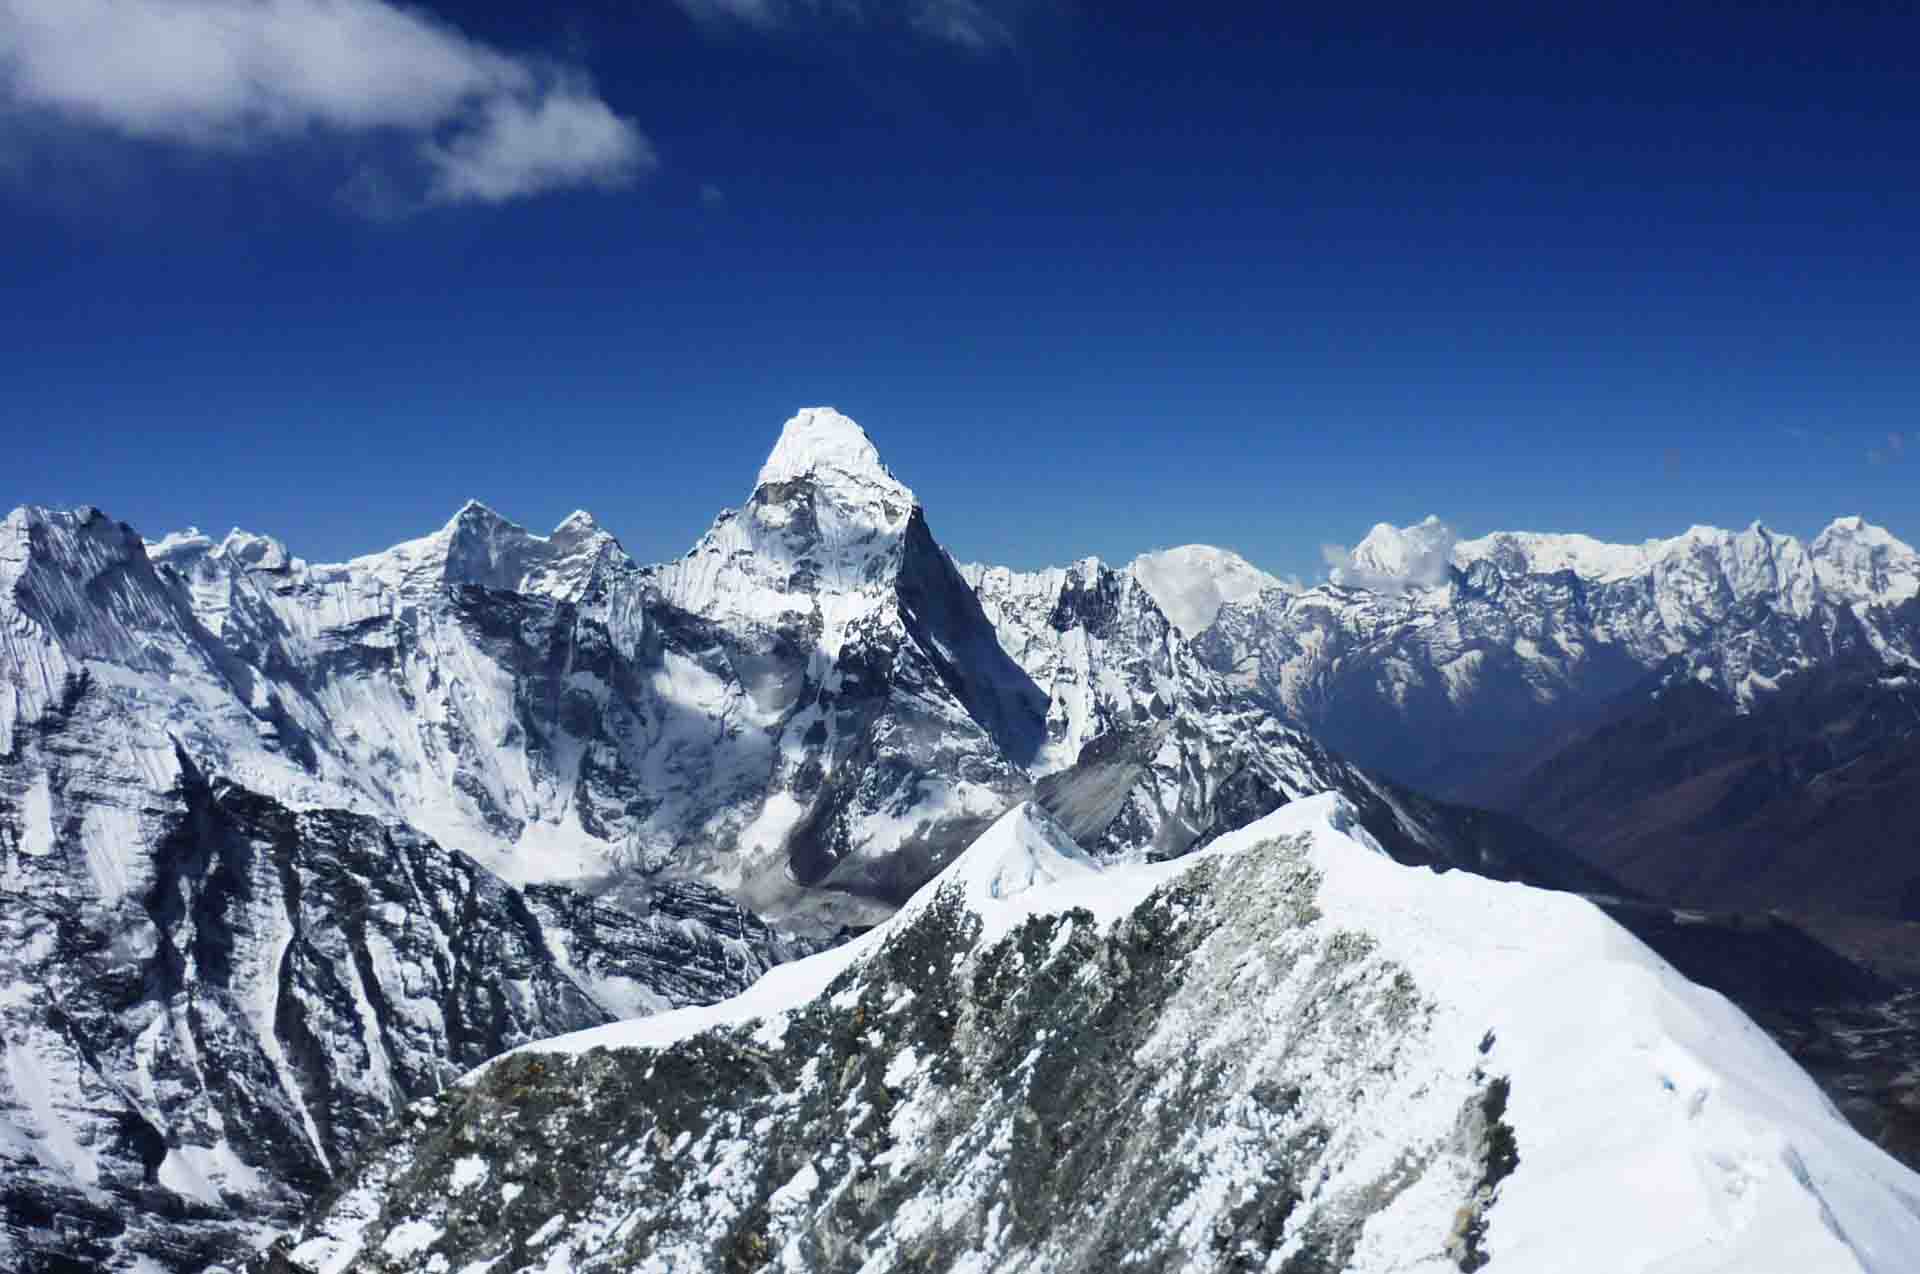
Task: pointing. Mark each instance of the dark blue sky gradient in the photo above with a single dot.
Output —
(1148, 277)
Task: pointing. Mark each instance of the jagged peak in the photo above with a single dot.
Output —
(255, 552)
(1392, 559)
(27, 515)
(475, 513)
(478, 545)
(1859, 561)
(819, 440)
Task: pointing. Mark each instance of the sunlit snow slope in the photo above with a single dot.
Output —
(1284, 1052)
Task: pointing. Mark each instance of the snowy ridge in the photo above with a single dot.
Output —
(1424, 1072)
(478, 547)
(1495, 645)
(1851, 562)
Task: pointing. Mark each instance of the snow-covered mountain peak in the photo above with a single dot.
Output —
(1391, 559)
(578, 523)
(60, 553)
(826, 518)
(255, 552)
(818, 442)
(1536, 553)
(1192, 582)
(1857, 560)
(1281, 1051)
(480, 547)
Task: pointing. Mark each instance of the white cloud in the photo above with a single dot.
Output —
(522, 146)
(1393, 559)
(970, 24)
(239, 74)
(961, 22)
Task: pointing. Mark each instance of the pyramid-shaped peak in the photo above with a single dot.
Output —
(819, 440)
(475, 514)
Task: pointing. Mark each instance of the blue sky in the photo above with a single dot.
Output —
(1096, 278)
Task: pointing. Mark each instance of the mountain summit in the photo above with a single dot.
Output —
(820, 441)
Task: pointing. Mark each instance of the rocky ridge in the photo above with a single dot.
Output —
(1283, 1053)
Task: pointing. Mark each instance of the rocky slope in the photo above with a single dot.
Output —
(203, 1029)
(1496, 646)
(1804, 799)
(1283, 1053)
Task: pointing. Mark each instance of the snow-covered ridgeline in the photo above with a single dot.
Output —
(1283, 1047)
(1435, 659)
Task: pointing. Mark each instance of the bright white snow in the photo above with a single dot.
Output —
(1659, 1129)
(1191, 583)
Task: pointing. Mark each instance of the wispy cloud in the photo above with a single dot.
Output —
(239, 75)
(970, 24)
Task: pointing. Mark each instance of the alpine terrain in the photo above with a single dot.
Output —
(1284, 1052)
(286, 848)
(1500, 645)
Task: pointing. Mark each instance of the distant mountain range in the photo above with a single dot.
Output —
(1496, 646)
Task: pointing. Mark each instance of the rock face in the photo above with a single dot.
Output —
(1496, 647)
(293, 843)
(868, 722)
(195, 1050)
(1284, 1052)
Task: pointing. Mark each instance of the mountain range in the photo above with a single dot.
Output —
(286, 847)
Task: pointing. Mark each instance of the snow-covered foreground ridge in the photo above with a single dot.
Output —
(1284, 1052)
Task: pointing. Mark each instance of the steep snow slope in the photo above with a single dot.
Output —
(1284, 1052)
